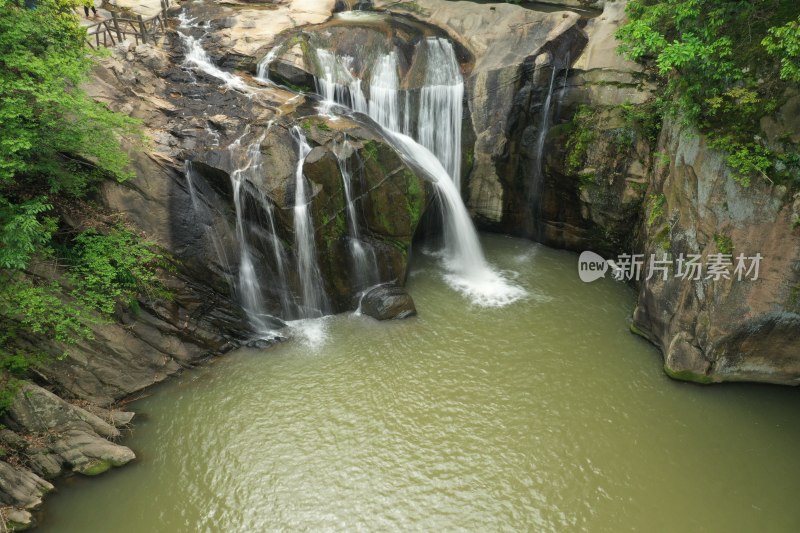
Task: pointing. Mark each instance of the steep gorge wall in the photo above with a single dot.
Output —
(611, 187)
(606, 170)
(737, 329)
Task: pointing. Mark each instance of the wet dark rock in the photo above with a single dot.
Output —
(388, 302)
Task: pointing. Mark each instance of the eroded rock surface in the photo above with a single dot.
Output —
(736, 329)
(387, 302)
(44, 437)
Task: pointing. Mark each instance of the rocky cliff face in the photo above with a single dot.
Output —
(613, 185)
(605, 180)
(747, 327)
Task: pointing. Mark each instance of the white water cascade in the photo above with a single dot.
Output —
(537, 187)
(251, 172)
(249, 288)
(384, 93)
(365, 265)
(197, 57)
(279, 253)
(314, 300)
(438, 128)
(440, 107)
(338, 85)
(262, 68)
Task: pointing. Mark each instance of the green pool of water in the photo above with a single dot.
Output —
(545, 415)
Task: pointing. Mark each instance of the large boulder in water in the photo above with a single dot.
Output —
(388, 302)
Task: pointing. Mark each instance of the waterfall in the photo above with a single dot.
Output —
(196, 57)
(262, 68)
(384, 93)
(468, 271)
(365, 265)
(188, 171)
(440, 107)
(314, 302)
(407, 115)
(439, 131)
(279, 253)
(537, 186)
(249, 287)
(338, 85)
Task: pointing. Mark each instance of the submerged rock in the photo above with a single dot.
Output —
(387, 302)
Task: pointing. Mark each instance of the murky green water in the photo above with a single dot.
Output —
(545, 415)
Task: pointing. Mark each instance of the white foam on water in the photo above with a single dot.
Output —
(311, 332)
(488, 289)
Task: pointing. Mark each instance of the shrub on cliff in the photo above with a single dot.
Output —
(56, 144)
(726, 63)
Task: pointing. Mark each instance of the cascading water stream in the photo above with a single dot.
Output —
(468, 271)
(189, 173)
(249, 287)
(197, 57)
(262, 68)
(338, 85)
(440, 111)
(384, 93)
(314, 300)
(537, 186)
(364, 262)
(279, 253)
(439, 126)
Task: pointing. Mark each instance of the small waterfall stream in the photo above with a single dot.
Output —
(279, 253)
(249, 289)
(440, 107)
(197, 57)
(365, 265)
(314, 300)
(384, 93)
(537, 186)
(262, 68)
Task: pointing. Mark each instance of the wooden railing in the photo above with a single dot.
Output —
(119, 28)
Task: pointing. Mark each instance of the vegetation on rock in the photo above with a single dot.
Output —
(57, 144)
(725, 65)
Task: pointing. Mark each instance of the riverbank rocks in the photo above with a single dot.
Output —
(387, 302)
(68, 437)
(20, 492)
(44, 436)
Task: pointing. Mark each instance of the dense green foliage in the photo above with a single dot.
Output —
(56, 144)
(726, 64)
(115, 267)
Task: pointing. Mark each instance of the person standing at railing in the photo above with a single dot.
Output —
(87, 4)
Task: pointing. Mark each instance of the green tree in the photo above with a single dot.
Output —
(784, 42)
(725, 64)
(56, 144)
